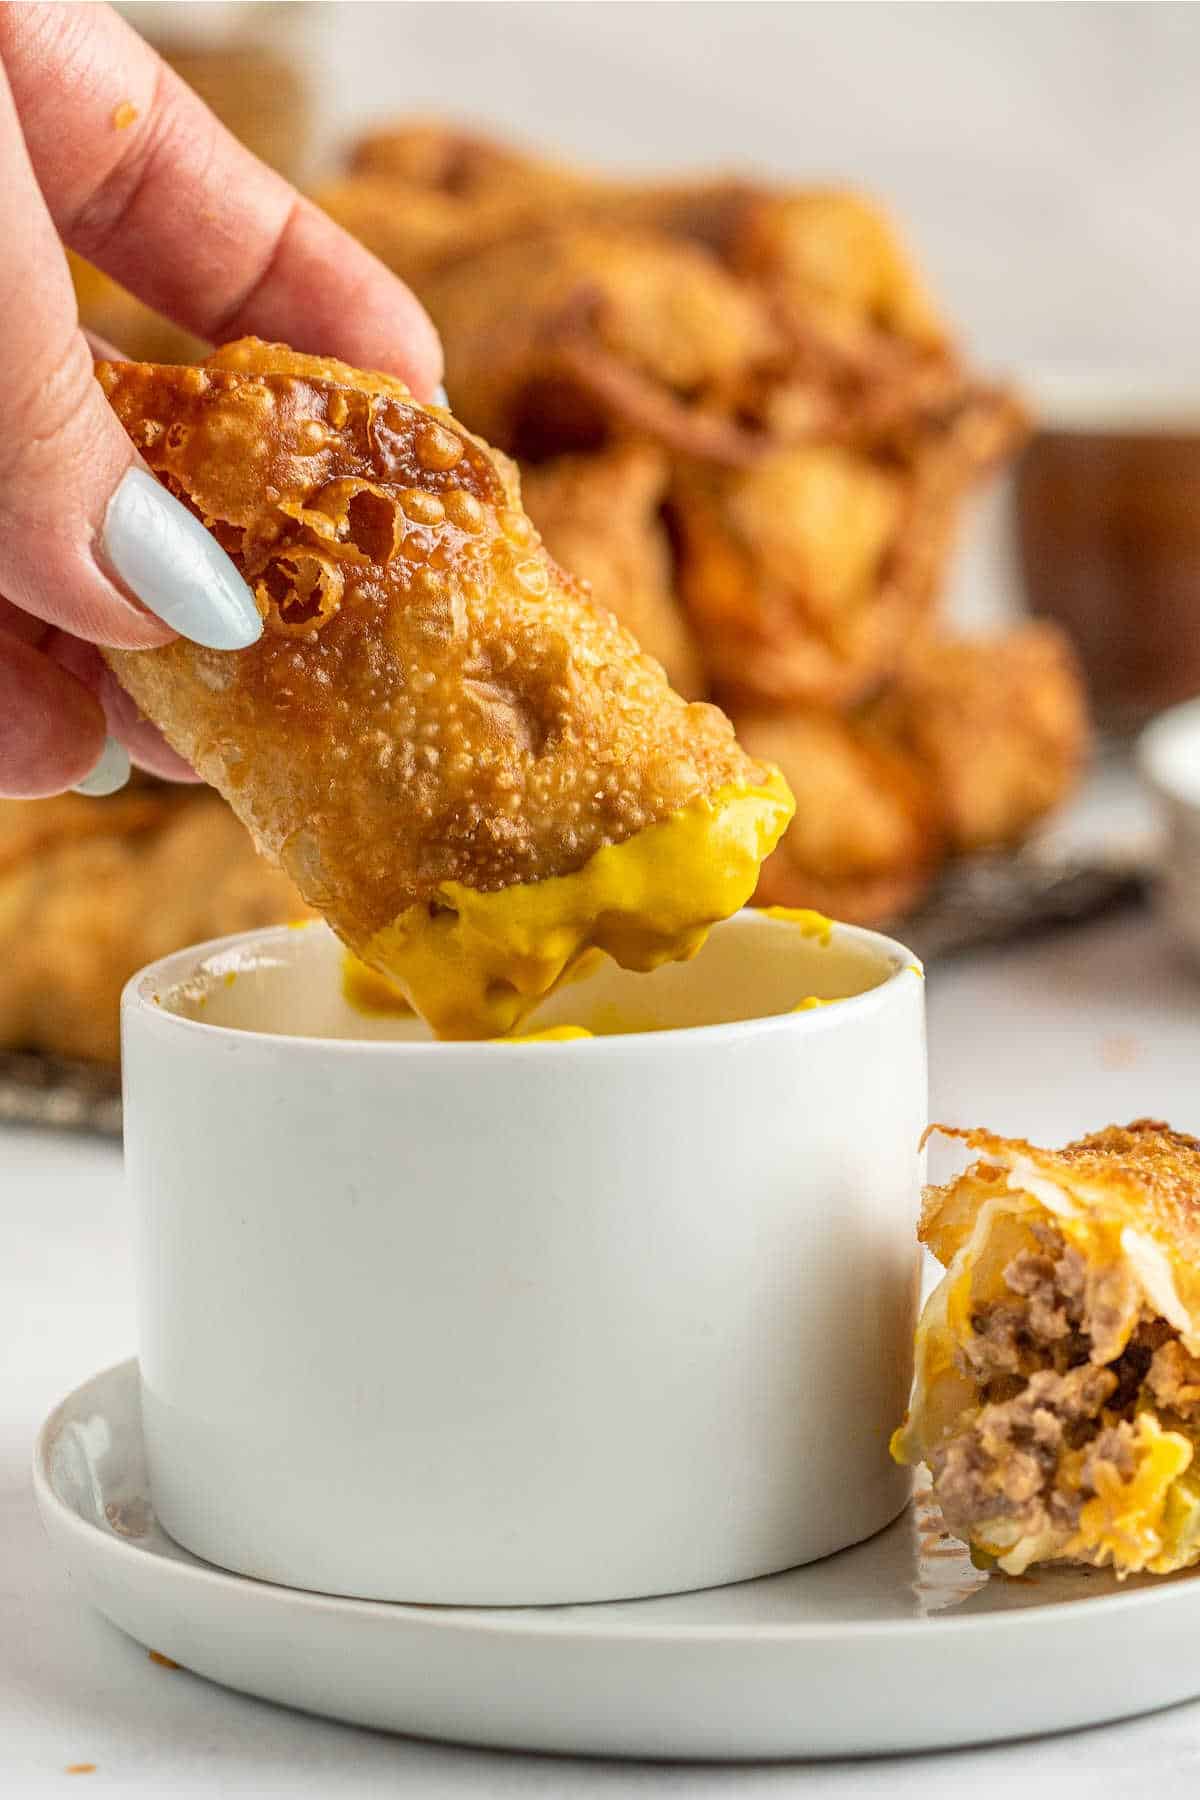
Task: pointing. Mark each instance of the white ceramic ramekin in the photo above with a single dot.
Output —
(526, 1323)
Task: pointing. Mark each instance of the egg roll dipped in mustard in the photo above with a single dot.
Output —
(470, 770)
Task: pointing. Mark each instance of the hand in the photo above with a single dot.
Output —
(92, 549)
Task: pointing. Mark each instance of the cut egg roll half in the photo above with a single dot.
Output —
(1057, 1390)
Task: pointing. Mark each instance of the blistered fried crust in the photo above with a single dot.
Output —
(1142, 1174)
(863, 844)
(561, 338)
(999, 725)
(808, 574)
(784, 569)
(432, 700)
(1057, 1389)
(601, 517)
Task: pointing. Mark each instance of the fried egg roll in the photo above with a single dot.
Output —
(473, 773)
(1057, 1391)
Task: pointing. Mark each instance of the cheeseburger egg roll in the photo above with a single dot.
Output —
(473, 773)
(1057, 1393)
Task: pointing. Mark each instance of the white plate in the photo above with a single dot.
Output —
(896, 1645)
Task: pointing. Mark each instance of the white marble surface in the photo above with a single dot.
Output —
(1049, 1038)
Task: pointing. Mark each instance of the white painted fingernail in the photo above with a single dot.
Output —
(440, 398)
(175, 567)
(110, 772)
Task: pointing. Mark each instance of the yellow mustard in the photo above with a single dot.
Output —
(812, 924)
(370, 992)
(554, 1034)
(475, 963)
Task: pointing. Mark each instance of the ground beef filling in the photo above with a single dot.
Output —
(1041, 1327)
(1042, 1395)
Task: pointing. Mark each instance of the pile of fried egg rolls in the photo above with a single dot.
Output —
(742, 426)
(740, 416)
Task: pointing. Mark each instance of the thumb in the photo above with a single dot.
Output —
(89, 541)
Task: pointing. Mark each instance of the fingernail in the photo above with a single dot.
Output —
(110, 772)
(175, 567)
(440, 398)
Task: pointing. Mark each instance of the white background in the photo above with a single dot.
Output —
(1042, 160)
(1045, 159)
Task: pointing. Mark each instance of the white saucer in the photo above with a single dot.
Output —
(896, 1645)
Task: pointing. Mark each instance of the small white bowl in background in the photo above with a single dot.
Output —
(1169, 759)
(526, 1323)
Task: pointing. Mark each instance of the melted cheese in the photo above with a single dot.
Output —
(473, 964)
(1150, 1521)
(1127, 1523)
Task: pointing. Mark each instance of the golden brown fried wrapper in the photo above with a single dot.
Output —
(28, 828)
(807, 575)
(827, 252)
(1057, 1389)
(462, 164)
(601, 517)
(785, 573)
(864, 844)
(490, 175)
(867, 353)
(859, 346)
(435, 715)
(417, 230)
(1143, 1174)
(101, 887)
(423, 194)
(999, 725)
(832, 255)
(560, 339)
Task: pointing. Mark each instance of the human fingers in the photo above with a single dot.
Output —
(85, 533)
(145, 747)
(177, 210)
(52, 730)
(83, 528)
(37, 762)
